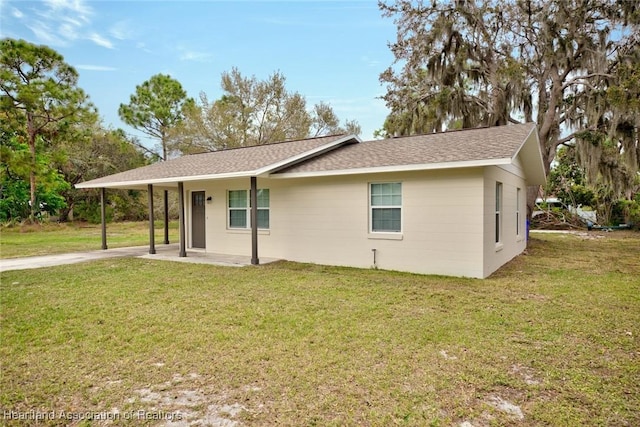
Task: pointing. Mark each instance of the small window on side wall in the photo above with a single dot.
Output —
(385, 204)
(498, 212)
(518, 216)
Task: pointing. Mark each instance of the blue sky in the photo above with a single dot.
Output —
(332, 51)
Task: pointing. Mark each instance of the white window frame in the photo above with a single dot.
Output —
(373, 207)
(247, 209)
(244, 209)
(498, 215)
(518, 201)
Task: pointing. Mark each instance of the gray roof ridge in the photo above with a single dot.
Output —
(286, 141)
(449, 131)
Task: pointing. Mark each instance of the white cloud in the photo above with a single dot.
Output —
(121, 30)
(68, 31)
(61, 22)
(45, 35)
(190, 55)
(100, 40)
(77, 6)
(89, 67)
(17, 13)
(70, 20)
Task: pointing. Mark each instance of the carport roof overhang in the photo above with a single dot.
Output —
(246, 162)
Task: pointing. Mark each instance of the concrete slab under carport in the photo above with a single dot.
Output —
(202, 257)
(163, 253)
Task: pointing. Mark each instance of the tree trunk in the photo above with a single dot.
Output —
(532, 195)
(32, 198)
(64, 214)
(163, 141)
(32, 173)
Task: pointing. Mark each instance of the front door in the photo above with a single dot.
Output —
(197, 220)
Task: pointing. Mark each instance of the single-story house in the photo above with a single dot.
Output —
(451, 203)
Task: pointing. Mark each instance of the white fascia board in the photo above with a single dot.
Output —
(173, 182)
(305, 156)
(531, 133)
(532, 158)
(398, 168)
(119, 186)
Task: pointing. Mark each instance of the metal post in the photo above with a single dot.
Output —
(152, 238)
(103, 216)
(254, 221)
(183, 246)
(166, 217)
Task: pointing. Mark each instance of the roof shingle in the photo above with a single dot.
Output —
(232, 161)
(467, 145)
(333, 154)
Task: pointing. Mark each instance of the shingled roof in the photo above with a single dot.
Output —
(238, 162)
(342, 155)
(482, 146)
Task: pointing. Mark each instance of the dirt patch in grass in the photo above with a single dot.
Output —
(183, 402)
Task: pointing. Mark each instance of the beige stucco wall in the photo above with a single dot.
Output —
(325, 220)
(512, 243)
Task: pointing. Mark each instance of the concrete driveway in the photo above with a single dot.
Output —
(163, 252)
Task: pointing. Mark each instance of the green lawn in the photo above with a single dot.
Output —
(551, 339)
(30, 240)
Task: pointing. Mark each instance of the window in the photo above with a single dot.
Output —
(498, 212)
(518, 196)
(238, 207)
(386, 207)
(263, 208)
(239, 203)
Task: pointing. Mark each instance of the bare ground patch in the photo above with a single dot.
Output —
(188, 404)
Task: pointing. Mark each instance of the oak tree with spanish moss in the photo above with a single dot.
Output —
(570, 65)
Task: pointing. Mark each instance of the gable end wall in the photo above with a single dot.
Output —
(512, 244)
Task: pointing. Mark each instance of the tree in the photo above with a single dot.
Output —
(324, 121)
(459, 66)
(567, 181)
(156, 107)
(40, 95)
(95, 152)
(490, 63)
(253, 112)
(14, 176)
(607, 146)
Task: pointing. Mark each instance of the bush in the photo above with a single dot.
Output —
(627, 212)
(88, 210)
(127, 206)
